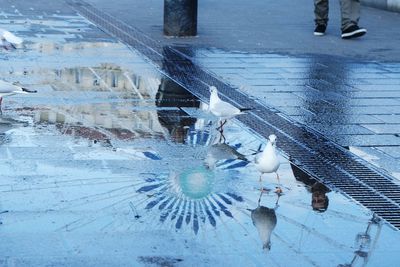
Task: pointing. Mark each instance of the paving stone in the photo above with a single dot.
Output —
(384, 128)
(367, 140)
(393, 151)
(388, 118)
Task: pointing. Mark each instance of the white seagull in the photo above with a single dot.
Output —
(222, 109)
(267, 161)
(7, 89)
(8, 39)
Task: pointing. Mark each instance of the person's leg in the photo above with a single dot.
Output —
(321, 10)
(350, 12)
(350, 15)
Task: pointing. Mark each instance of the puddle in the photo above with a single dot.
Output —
(111, 162)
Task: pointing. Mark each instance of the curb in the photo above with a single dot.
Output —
(390, 5)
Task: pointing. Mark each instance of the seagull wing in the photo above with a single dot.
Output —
(225, 109)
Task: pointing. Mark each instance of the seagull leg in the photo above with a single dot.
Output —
(278, 188)
(277, 202)
(222, 124)
(222, 137)
(259, 199)
(261, 184)
(219, 128)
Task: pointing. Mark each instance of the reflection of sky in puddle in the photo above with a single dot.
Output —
(103, 155)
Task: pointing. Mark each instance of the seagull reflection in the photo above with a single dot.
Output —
(8, 40)
(222, 151)
(264, 219)
(7, 124)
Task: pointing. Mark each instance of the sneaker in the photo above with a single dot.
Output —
(353, 32)
(320, 30)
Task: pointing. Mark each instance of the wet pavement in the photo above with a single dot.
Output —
(112, 161)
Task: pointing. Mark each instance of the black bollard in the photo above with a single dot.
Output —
(180, 17)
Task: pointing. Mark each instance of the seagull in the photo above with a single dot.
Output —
(8, 39)
(223, 109)
(7, 89)
(268, 162)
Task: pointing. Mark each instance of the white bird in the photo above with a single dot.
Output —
(267, 161)
(7, 89)
(7, 38)
(264, 219)
(222, 109)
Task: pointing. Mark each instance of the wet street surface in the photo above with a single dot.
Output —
(112, 163)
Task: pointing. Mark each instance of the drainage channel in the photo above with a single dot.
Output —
(310, 151)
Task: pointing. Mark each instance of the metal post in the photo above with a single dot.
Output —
(180, 17)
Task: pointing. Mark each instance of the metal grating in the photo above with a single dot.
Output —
(310, 151)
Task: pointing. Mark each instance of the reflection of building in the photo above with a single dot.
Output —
(106, 97)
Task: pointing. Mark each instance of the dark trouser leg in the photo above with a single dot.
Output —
(321, 10)
(350, 12)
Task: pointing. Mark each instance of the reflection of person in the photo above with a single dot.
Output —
(350, 15)
(319, 199)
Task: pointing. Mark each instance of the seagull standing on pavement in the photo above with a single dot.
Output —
(7, 89)
(223, 110)
(8, 39)
(268, 162)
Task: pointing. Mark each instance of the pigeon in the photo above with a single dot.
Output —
(8, 39)
(222, 109)
(264, 219)
(267, 161)
(7, 89)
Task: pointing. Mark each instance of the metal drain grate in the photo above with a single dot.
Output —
(310, 151)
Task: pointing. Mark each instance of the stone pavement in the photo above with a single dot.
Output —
(348, 90)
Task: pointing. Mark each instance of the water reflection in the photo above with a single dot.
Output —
(178, 122)
(194, 197)
(193, 185)
(6, 124)
(223, 153)
(265, 220)
(319, 199)
(100, 103)
(330, 107)
(365, 243)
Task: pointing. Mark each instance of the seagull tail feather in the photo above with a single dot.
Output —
(26, 90)
(245, 109)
